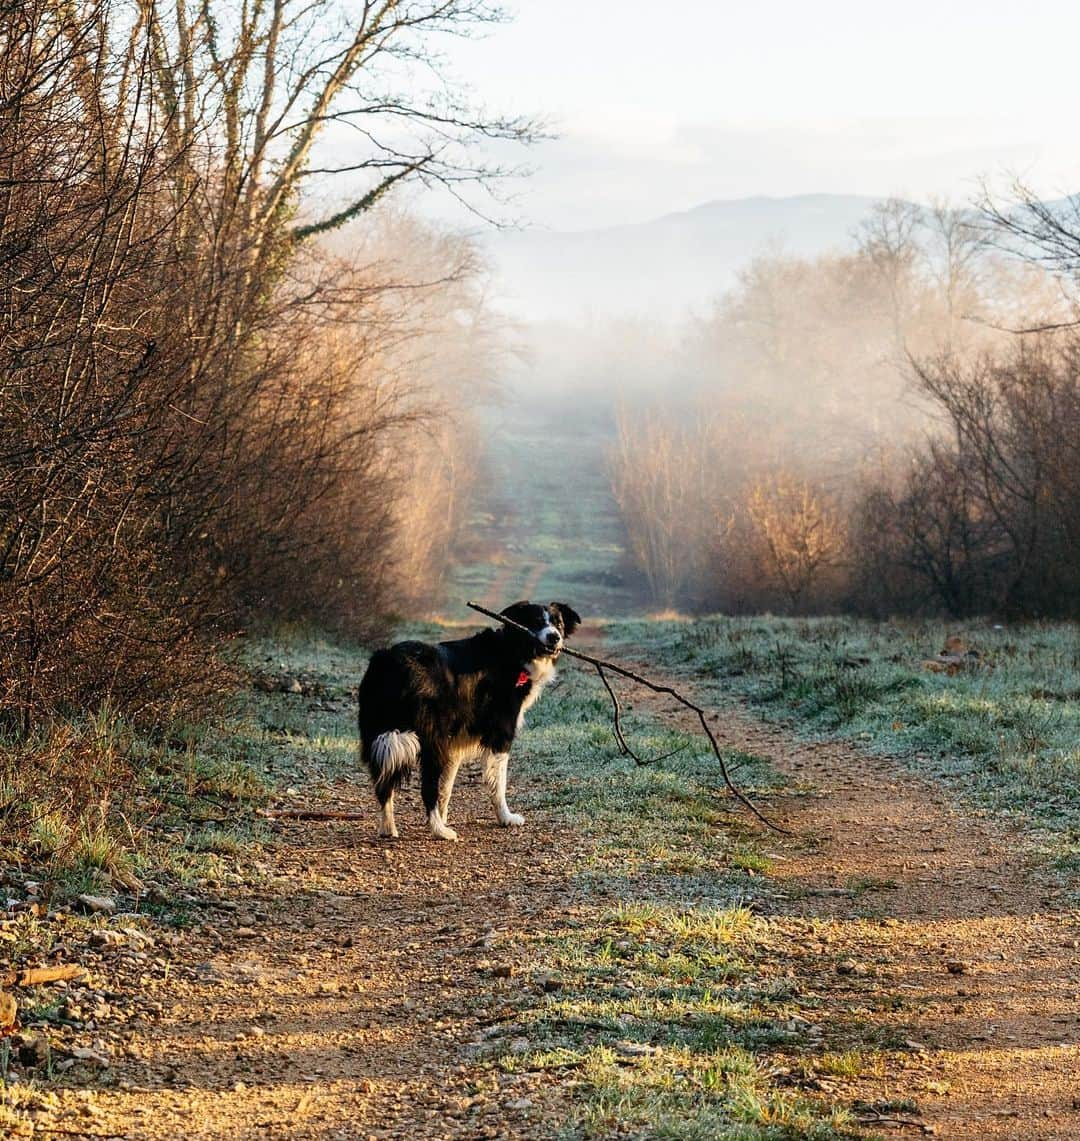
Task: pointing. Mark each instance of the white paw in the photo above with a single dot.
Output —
(388, 833)
(510, 819)
(438, 829)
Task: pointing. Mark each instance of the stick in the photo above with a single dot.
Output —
(35, 976)
(624, 748)
(309, 814)
(76, 1132)
(900, 1122)
(600, 664)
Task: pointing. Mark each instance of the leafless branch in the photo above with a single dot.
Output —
(657, 687)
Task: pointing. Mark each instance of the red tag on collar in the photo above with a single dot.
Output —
(523, 679)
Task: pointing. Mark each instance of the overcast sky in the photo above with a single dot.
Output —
(663, 106)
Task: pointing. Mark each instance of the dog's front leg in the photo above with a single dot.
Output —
(446, 788)
(431, 771)
(495, 778)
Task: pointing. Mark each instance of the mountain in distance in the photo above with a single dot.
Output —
(667, 266)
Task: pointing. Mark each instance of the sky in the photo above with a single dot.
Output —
(660, 107)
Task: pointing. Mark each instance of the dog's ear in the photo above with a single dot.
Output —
(514, 610)
(571, 619)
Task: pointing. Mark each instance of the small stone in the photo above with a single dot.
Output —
(106, 938)
(99, 904)
(94, 1057)
(520, 1103)
(246, 933)
(956, 967)
(502, 971)
(635, 1049)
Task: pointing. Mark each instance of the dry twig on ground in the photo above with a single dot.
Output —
(309, 814)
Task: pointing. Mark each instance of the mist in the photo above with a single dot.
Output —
(746, 432)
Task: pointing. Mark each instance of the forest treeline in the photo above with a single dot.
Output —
(870, 432)
(216, 400)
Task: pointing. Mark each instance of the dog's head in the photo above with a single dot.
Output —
(550, 625)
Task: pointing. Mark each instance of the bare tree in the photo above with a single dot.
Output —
(958, 254)
(800, 530)
(889, 241)
(664, 481)
(172, 449)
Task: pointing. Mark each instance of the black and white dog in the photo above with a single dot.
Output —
(433, 707)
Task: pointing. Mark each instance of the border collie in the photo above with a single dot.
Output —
(433, 707)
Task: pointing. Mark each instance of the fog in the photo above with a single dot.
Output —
(753, 396)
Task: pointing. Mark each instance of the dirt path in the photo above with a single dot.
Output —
(342, 999)
(344, 996)
(925, 902)
(513, 581)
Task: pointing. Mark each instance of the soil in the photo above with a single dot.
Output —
(346, 995)
(943, 908)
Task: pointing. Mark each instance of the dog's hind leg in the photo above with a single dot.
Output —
(387, 827)
(390, 759)
(495, 765)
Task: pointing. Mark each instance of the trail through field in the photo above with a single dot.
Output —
(545, 525)
(348, 991)
(920, 899)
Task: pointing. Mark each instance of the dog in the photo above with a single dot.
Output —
(432, 707)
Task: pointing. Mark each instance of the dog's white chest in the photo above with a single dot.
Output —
(541, 671)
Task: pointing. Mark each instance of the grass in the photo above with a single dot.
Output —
(95, 795)
(663, 1013)
(1004, 729)
(668, 824)
(530, 535)
(673, 1012)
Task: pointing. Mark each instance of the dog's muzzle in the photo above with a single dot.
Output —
(551, 640)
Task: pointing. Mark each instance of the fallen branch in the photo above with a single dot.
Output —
(309, 814)
(76, 1132)
(599, 664)
(35, 976)
(898, 1122)
(624, 747)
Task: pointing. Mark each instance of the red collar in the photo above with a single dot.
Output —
(523, 679)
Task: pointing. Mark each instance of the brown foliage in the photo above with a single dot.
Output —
(807, 370)
(987, 518)
(665, 485)
(198, 421)
(799, 533)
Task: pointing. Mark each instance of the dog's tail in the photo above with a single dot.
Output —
(393, 757)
